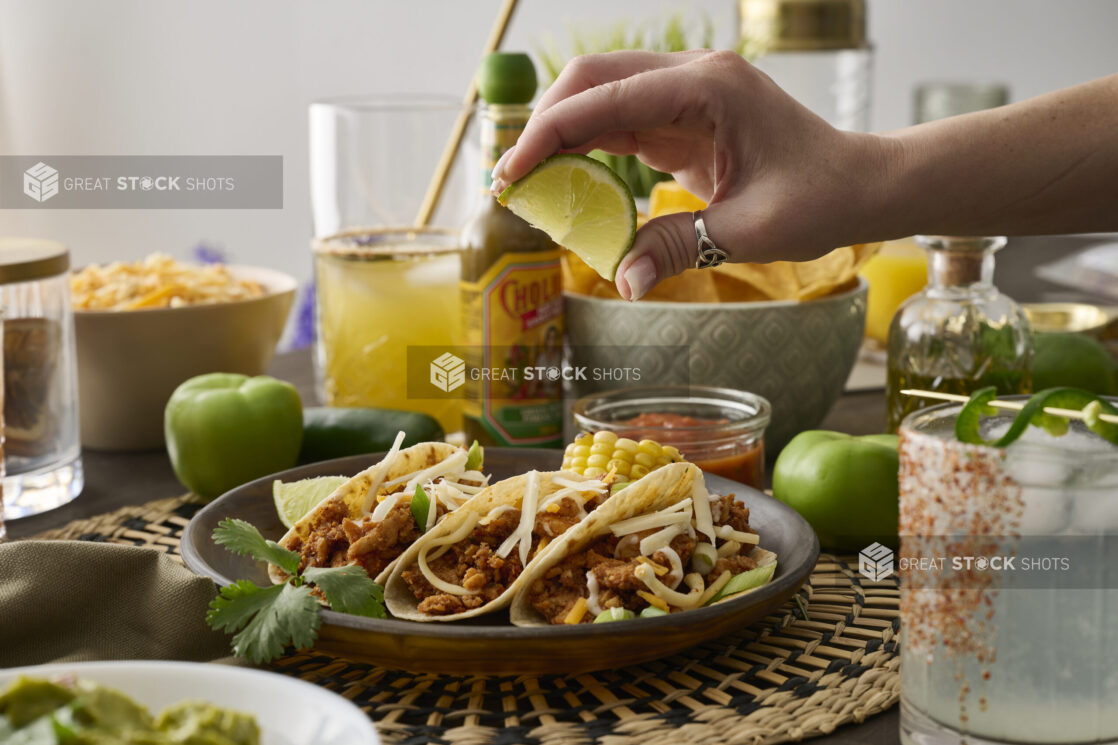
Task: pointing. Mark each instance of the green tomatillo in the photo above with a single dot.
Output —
(844, 486)
(224, 429)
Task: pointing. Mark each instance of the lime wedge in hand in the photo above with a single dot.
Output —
(296, 498)
(582, 205)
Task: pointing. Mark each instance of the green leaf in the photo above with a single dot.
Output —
(236, 604)
(420, 507)
(243, 538)
(348, 590)
(292, 618)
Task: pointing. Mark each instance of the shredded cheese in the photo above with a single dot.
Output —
(493, 513)
(448, 465)
(727, 532)
(660, 539)
(676, 574)
(541, 545)
(654, 601)
(432, 506)
(592, 586)
(386, 506)
(574, 481)
(381, 471)
(729, 548)
(715, 587)
(577, 612)
(660, 570)
(648, 522)
(678, 599)
(449, 540)
(700, 498)
(523, 533)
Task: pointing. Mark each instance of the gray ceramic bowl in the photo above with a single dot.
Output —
(130, 361)
(798, 355)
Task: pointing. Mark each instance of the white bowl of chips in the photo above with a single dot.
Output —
(142, 329)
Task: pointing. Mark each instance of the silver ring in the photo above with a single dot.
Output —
(710, 255)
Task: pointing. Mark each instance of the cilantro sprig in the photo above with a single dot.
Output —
(266, 620)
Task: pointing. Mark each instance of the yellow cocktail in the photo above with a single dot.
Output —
(898, 271)
(378, 293)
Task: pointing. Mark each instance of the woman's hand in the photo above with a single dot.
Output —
(781, 183)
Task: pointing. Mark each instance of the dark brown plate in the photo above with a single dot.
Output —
(490, 644)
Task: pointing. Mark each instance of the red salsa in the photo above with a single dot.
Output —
(741, 460)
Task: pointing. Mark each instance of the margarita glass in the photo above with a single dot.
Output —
(1013, 637)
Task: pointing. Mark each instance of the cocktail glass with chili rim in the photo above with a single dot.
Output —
(718, 429)
(1009, 571)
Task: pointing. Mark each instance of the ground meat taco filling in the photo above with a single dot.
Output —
(475, 566)
(607, 573)
(373, 542)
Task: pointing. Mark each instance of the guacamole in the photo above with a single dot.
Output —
(79, 712)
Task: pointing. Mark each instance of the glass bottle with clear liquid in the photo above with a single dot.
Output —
(959, 334)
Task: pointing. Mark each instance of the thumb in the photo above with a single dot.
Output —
(666, 246)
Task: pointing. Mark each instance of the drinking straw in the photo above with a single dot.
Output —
(450, 151)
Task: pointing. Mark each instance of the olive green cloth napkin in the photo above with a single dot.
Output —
(76, 600)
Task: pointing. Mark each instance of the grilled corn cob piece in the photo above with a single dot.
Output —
(596, 454)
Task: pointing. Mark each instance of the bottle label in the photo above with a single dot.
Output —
(514, 336)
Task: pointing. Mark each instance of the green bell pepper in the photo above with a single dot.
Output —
(224, 429)
(844, 486)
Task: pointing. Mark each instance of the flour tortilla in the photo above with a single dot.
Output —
(398, 596)
(353, 492)
(657, 491)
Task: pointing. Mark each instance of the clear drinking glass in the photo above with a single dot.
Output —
(1014, 637)
(379, 292)
(381, 284)
(42, 452)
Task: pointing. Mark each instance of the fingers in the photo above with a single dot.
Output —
(666, 246)
(587, 71)
(643, 101)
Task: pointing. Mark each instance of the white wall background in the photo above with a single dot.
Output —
(235, 77)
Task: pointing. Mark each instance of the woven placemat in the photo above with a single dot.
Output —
(784, 678)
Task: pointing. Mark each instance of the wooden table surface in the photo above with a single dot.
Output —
(115, 480)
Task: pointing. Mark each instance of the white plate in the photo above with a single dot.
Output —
(289, 711)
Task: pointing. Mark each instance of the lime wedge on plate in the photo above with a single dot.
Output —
(582, 205)
(296, 498)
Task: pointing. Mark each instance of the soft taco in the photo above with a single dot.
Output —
(471, 562)
(370, 520)
(660, 546)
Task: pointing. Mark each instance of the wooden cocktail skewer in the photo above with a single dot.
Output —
(999, 404)
(438, 179)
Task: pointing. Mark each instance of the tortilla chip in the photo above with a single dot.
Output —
(736, 283)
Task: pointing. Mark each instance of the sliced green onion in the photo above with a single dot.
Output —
(475, 456)
(750, 580)
(652, 612)
(420, 507)
(614, 614)
(967, 423)
(618, 487)
(702, 561)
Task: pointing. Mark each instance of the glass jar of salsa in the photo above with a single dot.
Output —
(718, 429)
